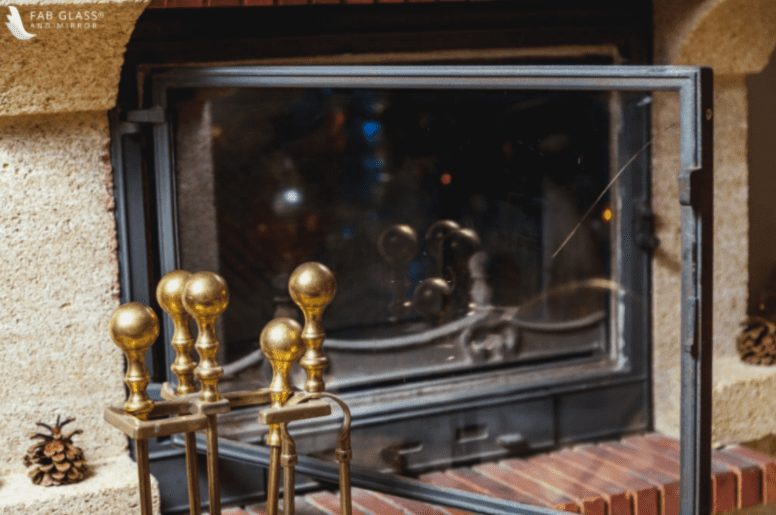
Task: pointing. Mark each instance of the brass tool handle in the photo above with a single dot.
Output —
(134, 328)
(169, 294)
(312, 287)
(205, 298)
(281, 343)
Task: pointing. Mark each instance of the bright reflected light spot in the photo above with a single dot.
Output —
(607, 214)
(446, 179)
(370, 129)
(292, 196)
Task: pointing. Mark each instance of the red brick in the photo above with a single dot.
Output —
(617, 500)
(359, 1)
(415, 506)
(653, 468)
(476, 482)
(767, 466)
(185, 3)
(292, 2)
(445, 481)
(548, 495)
(747, 472)
(644, 495)
(591, 501)
(157, 4)
(667, 486)
(329, 502)
(258, 2)
(371, 503)
(724, 486)
(224, 3)
(302, 508)
(748, 475)
(327, 1)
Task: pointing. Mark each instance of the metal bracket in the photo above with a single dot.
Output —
(644, 228)
(153, 115)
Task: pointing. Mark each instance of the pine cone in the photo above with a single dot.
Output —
(55, 459)
(757, 342)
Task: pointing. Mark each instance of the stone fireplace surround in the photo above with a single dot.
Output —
(59, 255)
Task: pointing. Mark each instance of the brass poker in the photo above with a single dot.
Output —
(282, 346)
(205, 297)
(312, 287)
(134, 328)
(169, 294)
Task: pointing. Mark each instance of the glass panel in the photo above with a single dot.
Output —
(490, 249)
(455, 221)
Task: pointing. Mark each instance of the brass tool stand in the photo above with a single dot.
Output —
(203, 297)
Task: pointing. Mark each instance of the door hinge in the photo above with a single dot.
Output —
(153, 115)
(644, 229)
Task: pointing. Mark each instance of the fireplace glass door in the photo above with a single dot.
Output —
(467, 229)
(490, 237)
(490, 244)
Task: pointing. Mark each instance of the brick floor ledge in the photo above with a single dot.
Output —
(638, 475)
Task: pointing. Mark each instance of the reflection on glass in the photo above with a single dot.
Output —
(439, 212)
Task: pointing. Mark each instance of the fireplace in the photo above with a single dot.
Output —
(477, 235)
(491, 245)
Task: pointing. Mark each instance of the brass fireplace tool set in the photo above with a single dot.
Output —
(186, 409)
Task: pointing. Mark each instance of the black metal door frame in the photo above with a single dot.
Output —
(694, 87)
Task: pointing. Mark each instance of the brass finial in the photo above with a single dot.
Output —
(431, 298)
(398, 245)
(312, 287)
(169, 294)
(436, 233)
(457, 250)
(461, 244)
(281, 343)
(134, 328)
(205, 297)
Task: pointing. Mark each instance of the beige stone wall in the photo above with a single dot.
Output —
(59, 263)
(735, 38)
(65, 70)
(58, 253)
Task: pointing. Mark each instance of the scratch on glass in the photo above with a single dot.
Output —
(604, 192)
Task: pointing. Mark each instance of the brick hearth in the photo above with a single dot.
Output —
(637, 475)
